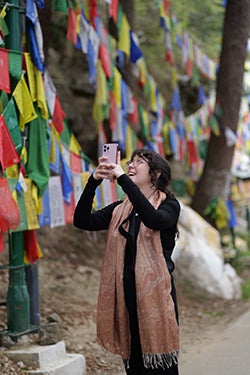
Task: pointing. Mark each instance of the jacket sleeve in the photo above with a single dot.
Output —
(165, 217)
(84, 217)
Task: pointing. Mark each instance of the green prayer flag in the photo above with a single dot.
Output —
(66, 133)
(37, 167)
(4, 99)
(3, 27)
(60, 6)
(11, 120)
(15, 64)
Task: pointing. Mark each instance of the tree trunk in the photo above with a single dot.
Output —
(216, 177)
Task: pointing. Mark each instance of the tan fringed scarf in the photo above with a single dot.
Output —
(159, 332)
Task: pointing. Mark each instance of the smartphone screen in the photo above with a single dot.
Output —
(110, 150)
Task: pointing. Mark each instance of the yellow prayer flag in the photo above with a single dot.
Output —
(24, 103)
(52, 155)
(74, 145)
(78, 23)
(97, 111)
(85, 177)
(36, 85)
(3, 11)
(36, 198)
(32, 218)
(174, 77)
(164, 16)
(129, 141)
(153, 95)
(41, 96)
(142, 70)
(124, 36)
(101, 93)
(31, 76)
(117, 87)
(12, 171)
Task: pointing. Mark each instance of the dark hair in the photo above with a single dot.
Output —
(156, 164)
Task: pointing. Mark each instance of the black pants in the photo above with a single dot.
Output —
(136, 366)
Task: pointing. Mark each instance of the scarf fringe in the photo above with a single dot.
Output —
(162, 360)
(154, 361)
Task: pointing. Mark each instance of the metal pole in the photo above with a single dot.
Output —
(18, 305)
(18, 313)
(32, 281)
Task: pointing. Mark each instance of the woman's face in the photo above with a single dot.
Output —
(138, 171)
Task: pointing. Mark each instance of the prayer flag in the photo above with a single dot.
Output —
(117, 87)
(84, 32)
(1, 242)
(60, 6)
(9, 211)
(58, 116)
(112, 111)
(69, 209)
(35, 51)
(24, 103)
(50, 92)
(124, 36)
(71, 28)
(192, 153)
(135, 52)
(10, 117)
(105, 59)
(44, 216)
(8, 153)
(4, 76)
(66, 181)
(32, 217)
(75, 163)
(31, 247)
(113, 9)
(37, 166)
(77, 186)
(56, 202)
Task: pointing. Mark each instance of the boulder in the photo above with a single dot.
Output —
(199, 257)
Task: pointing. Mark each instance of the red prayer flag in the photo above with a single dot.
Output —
(93, 12)
(58, 116)
(170, 57)
(75, 163)
(8, 153)
(9, 210)
(192, 154)
(105, 59)
(113, 9)
(189, 68)
(133, 117)
(71, 29)
(4, 67)
(69, 210)
(1, 242)
(30, 246)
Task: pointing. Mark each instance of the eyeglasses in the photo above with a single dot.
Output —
(136, 162)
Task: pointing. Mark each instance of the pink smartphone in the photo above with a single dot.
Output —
(110, 150)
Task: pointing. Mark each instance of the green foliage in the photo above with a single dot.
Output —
(203, 21)
(217, 210)
(245, 287)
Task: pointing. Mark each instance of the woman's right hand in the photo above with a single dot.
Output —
(103, 169)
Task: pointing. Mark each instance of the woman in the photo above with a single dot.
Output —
(137, 314)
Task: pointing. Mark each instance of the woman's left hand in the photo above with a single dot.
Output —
(116, 171)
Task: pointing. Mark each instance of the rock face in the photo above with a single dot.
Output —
(199, 257)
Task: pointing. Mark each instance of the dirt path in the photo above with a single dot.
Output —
(69, 276)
